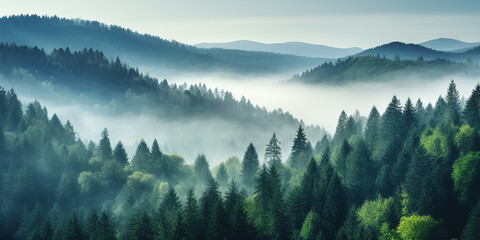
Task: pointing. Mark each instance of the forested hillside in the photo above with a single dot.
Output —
(414, 51)
(152, 53)
(376, 68)
(410, 172)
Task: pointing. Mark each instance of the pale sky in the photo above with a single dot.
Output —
(339, 23)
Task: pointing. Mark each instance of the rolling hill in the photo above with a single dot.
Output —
(415, 51)
(449, 45)
(295, 48)
(370, 68)
(150, 53)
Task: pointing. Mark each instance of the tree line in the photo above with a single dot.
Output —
(409, 173)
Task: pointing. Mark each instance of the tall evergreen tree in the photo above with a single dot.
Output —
(472, 108)
(371, 130)
(141, 160)
(299, 147)
(191, 217)
(408, 116)
(341, 161)
(139, 227)
(105, 147)
(453, 104)
(13, 112)
(202, 170)
(158, 160)
(262, 198)
(222, 176)
(120, 154)
(279, 228)
(212, 212)
(250, 166)
(340, 131)
(273, 153)
(307, 185)
(360, 173)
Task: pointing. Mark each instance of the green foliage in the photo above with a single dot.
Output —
(472, 228)
(466, 177)
(202, 170)
(250, 166)
(417, 227)
(273, 153)
(467, 139)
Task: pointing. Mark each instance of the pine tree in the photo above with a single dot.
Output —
(335, 208)
(299, 143)
(340, 131)
(471, 230)
(72, 229)
(472, 108)
(262, 198)
(371, 130)
(341, 162)
(120, 154)
(14, 111)
(400, 167)
(408, 115)
(350, 229)
(44, 232)
(273, 153)
(202, 170)
(325, 158)
(212, 212)
(92, 226)
(419, 111)
(360, 173)
(158, 160)
(106, 228)
(307, 185)
(191, 217)
(250, 165)
(139, 227)
(237, 217)
(453, 104)
(419, 184)
(278, 221)
(141, 160)
(391, 126)
(321, 145)
(222, 176)
(105, 146)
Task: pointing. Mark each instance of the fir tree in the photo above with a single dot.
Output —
(299, 143)
(273, 153)
(408, 115)
(340, 131)
(222, 176)
(371, 130)
(453, 104)
(191, 217)
(472, 108)
(120, 154)
(360, 173)
(141, 160)
(212, 212)
(202, 170)
(105, 146)
(250, 165)
(139, 227)
(341, 161)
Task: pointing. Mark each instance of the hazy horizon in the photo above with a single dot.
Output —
(345, 24)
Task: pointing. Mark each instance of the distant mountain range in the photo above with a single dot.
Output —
(294, 48)
(415, 51)
(376, 68)
(449, 45)
(149, 52)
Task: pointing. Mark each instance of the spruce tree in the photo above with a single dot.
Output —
(202, 170)
(335, 208)
(139, 227)
(371, 130)
(408, 116)
(340, 131)
(307, 185)
(191, 217)
(262, 199)
(141, 160)
(453, 104)
(120, 154)
(222, 176)
(105, 147)
(360, 173)
(341, 161)
(158, 160)
(278, 221)
(472, 108)
(299, 147)
(250, 165)
(273, 153)
(212, 212)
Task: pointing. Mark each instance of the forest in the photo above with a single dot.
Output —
(376, 68)
(148, 51)
(411, 172)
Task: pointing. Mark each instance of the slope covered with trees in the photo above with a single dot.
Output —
(376, 68)
(149, 52)
(408, 173)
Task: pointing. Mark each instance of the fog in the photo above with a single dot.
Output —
(219, 139)
(322, 104)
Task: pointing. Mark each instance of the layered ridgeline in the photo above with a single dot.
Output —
(146, 51)
(376, 68)
(99, 87)
(295, 48)
(412, 172)
(415, 51)
(449, 45)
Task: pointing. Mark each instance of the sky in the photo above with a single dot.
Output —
(338, 23)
